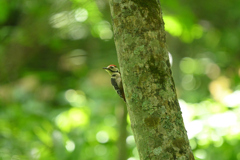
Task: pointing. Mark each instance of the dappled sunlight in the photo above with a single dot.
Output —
(187, 115)
(43, 135)
(223, 120)
(74, 117)
(56, 102)
(196, 31)
(73, 61)
(106, 34)
(105, 31)
(135, 153)
(176, 28)
(81, 15)
(172, 25)
(201, 153)
(75, 32)
(35, 153)
(233, 99)
(78, 56)
(110, 120)
(213, 71)
(102, 137)
(188, 82)
(217, 140)
(62, 19)
(188, 65)
(70, 146)
(75, 98)
(213, 37)
(132, 158)
(72, 24)
(193, 128)
(130, 140)
(208, 122)
(220, 88)
(100, 150)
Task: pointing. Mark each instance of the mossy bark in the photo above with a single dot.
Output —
(155, 115)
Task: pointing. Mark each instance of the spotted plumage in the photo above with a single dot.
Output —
(116, 79)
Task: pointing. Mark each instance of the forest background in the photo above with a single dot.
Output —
(56, 101)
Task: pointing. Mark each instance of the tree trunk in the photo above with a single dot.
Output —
(122, 121)
(153, 106)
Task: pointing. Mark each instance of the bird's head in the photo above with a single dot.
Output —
(111, 69)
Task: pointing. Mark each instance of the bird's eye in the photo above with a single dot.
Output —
(111, 67)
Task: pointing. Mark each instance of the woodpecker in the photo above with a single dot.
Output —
(116, 79)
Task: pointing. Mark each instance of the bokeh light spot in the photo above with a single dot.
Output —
(220, 88)
(110, 120)
(81, 15)
(104, 30)
(72, 118)
(102, 137)
(188, 82)
(106, 33)
(77, 32)
(61, 19)
(223, 119)
(193, 128)
(200, 153)
(233, 99)
(100, 150)
(70, 146)
(188, 65)
(130, 140)
(197, 31)
(71, 95)
(213, 71)
(172, 25)
(78, 56)
(75, 98)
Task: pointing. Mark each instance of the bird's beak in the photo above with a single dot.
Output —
(108, 70)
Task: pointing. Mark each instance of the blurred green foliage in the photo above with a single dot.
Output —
(56, 102)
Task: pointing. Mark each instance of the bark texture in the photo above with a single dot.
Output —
(149, 88)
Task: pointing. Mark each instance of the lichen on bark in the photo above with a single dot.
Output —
(147, 79)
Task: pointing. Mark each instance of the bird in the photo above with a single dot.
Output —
(116, 80)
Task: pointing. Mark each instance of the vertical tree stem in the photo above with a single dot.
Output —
(153, 106)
